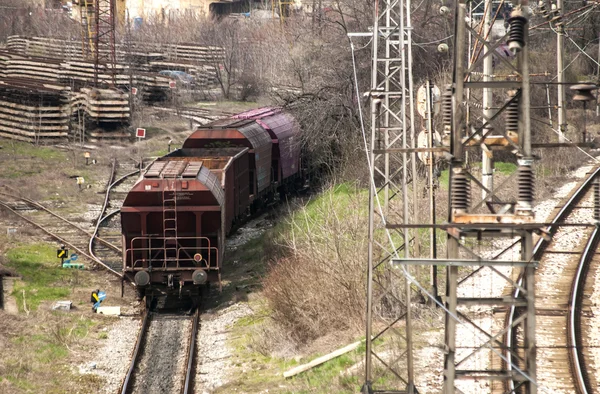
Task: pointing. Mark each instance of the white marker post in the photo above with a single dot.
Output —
(140, 133)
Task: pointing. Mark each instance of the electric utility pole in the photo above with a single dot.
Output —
(487, 163)
(560, 54)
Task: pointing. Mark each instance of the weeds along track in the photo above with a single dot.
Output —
(102, 245)
(563, 320)
(68, 233)
(163, 357)
(105, 242)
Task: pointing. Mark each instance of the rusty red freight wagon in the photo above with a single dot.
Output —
(174, 220)
(239, 132)
(284, 131)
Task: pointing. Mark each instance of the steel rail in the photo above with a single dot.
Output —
(136, 353)
(60, 239)
(115, 183)
(39, 206)
(101, 218)
(187, 384)
(574, 328)
(106, 196)
(538, 250)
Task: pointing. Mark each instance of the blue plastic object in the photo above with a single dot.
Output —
(101, 297)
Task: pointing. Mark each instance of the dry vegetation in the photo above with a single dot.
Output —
(317, 285)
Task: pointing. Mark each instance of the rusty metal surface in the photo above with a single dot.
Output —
(284, 131)
(238, 132)
(207, 205)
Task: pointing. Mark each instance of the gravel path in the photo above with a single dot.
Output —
(213, 353)
(162, 364)
(114, 353)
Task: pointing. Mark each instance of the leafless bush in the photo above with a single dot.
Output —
(34, 20)
(318, 286)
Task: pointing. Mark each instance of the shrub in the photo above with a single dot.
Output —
(318, 285)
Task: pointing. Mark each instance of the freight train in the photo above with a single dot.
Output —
(176, 217)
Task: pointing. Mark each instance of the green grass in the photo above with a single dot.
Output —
(505, 168)
(45, 351)
(26, 149)
(500, 168)
(152, 131)
(264, 372)
(343, 198)
(160, 152)
(42, 277)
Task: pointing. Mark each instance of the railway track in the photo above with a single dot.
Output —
(163, 357)
(66, 232)
(100, 245)
(105, 241)
(563, 319)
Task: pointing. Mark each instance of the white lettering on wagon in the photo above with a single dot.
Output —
(182, 196)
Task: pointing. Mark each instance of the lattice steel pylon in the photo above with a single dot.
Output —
(104, 43)
(392, 166)
(86, 13)
(483, 355)
(98, 39)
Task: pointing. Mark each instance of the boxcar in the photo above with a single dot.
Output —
(284, 132)
(239, 132)
(174, 220)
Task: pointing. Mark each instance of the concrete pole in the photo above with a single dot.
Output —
(432, 240)
(487, 164)
(527, 243)
(452, 245)
(560, 54)
(405, 216)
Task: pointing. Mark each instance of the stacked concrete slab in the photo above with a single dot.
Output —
(30, 110)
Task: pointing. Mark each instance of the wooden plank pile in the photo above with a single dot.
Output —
(31, 110)
(198, 60)
(74, 72)
(102, 105)
(44, 85)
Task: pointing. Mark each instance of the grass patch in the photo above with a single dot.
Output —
(42, 277)
(339, 198)
(261, 372)
(38, 356)
(152, 131)
(26, 149)
(505, 168)
(500, 167)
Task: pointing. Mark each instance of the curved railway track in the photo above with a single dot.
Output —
(150, 369)
(562, 291)
(105, 241)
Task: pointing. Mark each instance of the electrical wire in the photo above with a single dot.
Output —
(407, 274)
(581, 50)
(433, 42)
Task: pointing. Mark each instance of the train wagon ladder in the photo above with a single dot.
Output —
(169, 199)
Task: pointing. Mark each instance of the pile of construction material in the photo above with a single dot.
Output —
(102, 105)
(30, 110)
(196, 60)
(76, 73)
(73, 49)
(45, 85)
